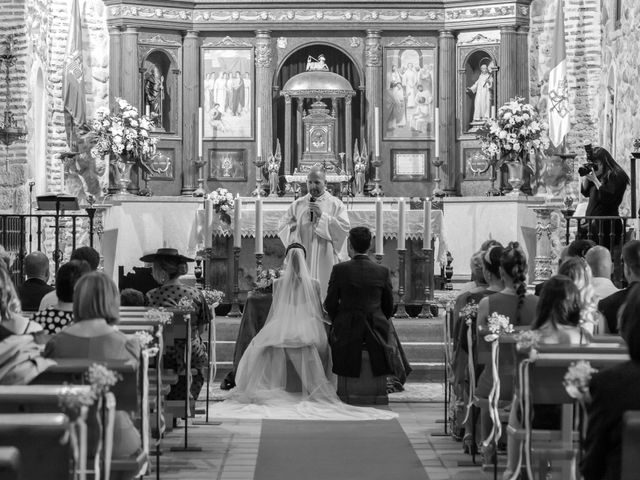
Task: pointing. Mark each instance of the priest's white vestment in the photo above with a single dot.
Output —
(325, 239)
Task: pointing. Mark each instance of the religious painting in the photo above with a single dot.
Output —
(409, 93)
(409, 165)
(227, 92)
(227, 165)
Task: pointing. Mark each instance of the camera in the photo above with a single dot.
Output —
(590, 166)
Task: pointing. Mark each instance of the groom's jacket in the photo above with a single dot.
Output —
(359, 302)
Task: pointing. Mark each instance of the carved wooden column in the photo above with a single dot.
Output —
(130, 84)
(287, 135)
(447, 104)
(347, 132)
(264, 80)
(115, 62)
(507, 88)
(372, 74)
(190, 104)
(522, 47)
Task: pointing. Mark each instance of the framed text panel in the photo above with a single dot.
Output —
(409, 165)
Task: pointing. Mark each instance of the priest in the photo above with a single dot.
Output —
(319, 221)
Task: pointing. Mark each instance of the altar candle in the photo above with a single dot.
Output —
(208, 222)
(437, 133)
(377, 131)
(200, 130)
(379, 232)
(259, 129)
(426, 241)
(259, 239)
(237, 222)
(493, 111)
(147, 111)
(401, 224)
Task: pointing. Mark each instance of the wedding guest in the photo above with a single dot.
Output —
(613, 391)
(36, 269)
(577, 269)
(599, 260)
(93, 336)
(89, 255)
(167, 267)
(610, 306)
(53, 319)
(483, 249)
(130, 297)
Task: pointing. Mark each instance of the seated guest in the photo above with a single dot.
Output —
(599, 259)
(558, 323)
(130, 297)
(613, 391)
(475, 282)
(168, 266)
(610, 306)
(36, 268)
(89, 255)
(5, 257)
(20, 357)
(576, 269)
(54, 319)
(93, 336)
(514, 302)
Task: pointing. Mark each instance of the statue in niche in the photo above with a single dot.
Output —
(314, 64)
(154, 92)
(482, 91)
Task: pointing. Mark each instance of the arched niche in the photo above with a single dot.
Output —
(160, 84)
(470, 73)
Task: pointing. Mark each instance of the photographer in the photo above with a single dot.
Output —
(604, 183)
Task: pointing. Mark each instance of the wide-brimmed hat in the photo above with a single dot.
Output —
(166, 253)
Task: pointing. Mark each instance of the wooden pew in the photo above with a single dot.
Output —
(630, 445)
(9, 463)
(43, 441)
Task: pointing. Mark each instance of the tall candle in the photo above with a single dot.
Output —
(426, 241)
(259, 220)
(379, 232)
(237, 222)
(493, 111)
(208, 222)
(401, 224)
(437, 129)
(259, 134)
(147, 111)
(377, 131)
(200, 130)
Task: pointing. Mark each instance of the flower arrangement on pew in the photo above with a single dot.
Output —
(528, 341)
(222, 203)
(468, 314)
(159, 315)
(212, 297)
(186, 305)
(576, 380)
(145, 339)
(497, 325)
(72, 400)
(265, 278)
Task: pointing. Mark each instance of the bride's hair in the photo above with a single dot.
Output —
(296, 245)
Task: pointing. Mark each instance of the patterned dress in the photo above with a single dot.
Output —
(174, 358)
(53, 319)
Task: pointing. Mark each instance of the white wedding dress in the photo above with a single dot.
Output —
(285, 373)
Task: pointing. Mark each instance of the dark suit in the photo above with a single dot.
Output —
(613, 391)
(360, 302)
(31, 293)
(610, 305)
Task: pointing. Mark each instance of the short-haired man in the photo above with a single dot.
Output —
(35, 287)
(599, 259)
(611, 305)
(577, 248)
(359, 303)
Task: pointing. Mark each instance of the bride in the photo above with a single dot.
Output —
(285, 372)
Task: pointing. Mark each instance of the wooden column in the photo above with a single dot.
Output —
(507, 85)
(347, 131)
(190, 104)
(115, 86)
(264, 80)
(130, 84)
(299, 102)
(372, 75)
(447, 104)
(522, 45)
(287, 135)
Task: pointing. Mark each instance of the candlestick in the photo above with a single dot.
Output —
(237, 222)
(401, 224)
(426, 241)
(401, 312)
(200, 130)
(259, 130)
(379, 232)
(208, 221)
(437, 129)
(259, 225)
(377, 131)
(426, 306)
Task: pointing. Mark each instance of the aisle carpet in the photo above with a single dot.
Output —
(323, 450)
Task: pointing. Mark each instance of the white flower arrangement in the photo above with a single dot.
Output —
(212, 297)
(518, 129)
(576, 380)
(159, 315)
(222, 203)
(469, 312)
(145, 339)
(186, 304)
(123, 132)
(497, 325)
(528, 341)
(101, 379)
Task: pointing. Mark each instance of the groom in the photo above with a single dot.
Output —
(359, 303)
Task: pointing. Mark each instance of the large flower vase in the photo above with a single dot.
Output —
(516, 173)
(123, 168)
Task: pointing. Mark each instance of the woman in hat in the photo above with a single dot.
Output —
(167, 268)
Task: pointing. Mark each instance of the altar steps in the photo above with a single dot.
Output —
(422, 340)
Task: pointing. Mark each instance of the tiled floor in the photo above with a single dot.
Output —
(229, 451)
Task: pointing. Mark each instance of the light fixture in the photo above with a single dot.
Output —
(10, 131)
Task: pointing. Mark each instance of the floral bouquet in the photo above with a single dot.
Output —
(497, 325)
(469, 312)
(212, 297)
(101, 379)
(123, 132)
(72, 399)
(159, 315)
(186, 305)
(576, 380)
(264, 281)
(222, 203)
(145, 339)
(516, 131)
(528, 341)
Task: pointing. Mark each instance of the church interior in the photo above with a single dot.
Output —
(165, 162)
